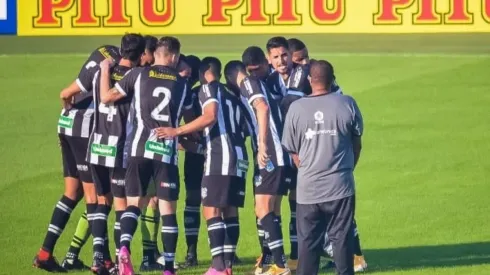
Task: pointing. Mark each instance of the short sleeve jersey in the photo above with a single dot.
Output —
(78, 120)
(106, 146)
(159, 95)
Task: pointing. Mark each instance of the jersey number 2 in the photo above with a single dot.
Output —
(156, 113)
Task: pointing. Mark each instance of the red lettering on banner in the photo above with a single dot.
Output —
(287, 13)
(388, 11)
(255, 14)
(324, 14)
(458, 13)
(85, 14)
(153, 15)
(117, 16)
(485, 9)
(47, 12)
(427, 13)
(217, 12)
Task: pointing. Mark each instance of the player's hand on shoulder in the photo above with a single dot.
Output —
(107, 63)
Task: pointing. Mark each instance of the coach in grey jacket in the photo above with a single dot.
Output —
(323, 132)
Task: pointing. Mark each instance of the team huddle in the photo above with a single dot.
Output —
(120, 133)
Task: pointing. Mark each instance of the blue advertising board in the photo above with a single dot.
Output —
(8, 17)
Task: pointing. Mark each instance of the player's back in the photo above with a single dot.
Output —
(109, 132)
(159, 96)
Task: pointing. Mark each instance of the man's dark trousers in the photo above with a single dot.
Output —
(311, 220)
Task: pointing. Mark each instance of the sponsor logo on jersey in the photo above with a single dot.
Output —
(154, 74)
(158, 148)
(104, 52)
(65, 122)
(117, 77)
(103, 150)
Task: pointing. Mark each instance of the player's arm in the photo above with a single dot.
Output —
(357, 131)
(252, 91)
(209, 116)
(108, 95)
(68, 93)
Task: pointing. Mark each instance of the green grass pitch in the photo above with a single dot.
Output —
(423, 181)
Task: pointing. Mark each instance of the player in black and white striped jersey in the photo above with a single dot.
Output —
(74, 126)
(266, 130)
(223, 184)
(106, 146)
(159, 95)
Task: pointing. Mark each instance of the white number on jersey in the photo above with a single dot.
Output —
(91, 64)
(234, 116)
(155, 114)
(109, 110)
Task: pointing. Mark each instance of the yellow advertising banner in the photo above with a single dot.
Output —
(113, 17)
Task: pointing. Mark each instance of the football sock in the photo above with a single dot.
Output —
(216, 234)
(170, 235)
(149, 233)
(99, 231)
(59, 219)
(192, 222)
(82, 233)
(129, 223)
(275, 242)
(232, 227)
(117, 231)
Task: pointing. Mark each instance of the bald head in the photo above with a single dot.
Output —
(321, 75)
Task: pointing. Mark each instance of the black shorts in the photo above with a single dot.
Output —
(109, 180)
(193, 171)
(270, 183)
(291, 178)
(73, 152)
(223, 191)
(140, 173)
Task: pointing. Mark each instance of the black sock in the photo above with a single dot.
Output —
(216, 234)
(192, 222)
(292, 231)
(59, 219)
(129, 223)
(275, 242)
(99, 231)
(231, 240)
(263, 241)
(170, 235)
(117, 231)
(91, 208)
(357, 241)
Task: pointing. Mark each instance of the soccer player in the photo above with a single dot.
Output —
(223, 184)
(74, 127)
(280, 81)
(193, 169)
(159, 94)
(106, 147)
(151, 42)
(269, 170)
(256, 63)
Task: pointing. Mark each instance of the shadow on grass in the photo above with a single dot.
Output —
(405, 258)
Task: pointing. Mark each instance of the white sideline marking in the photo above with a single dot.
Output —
(321, 54)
